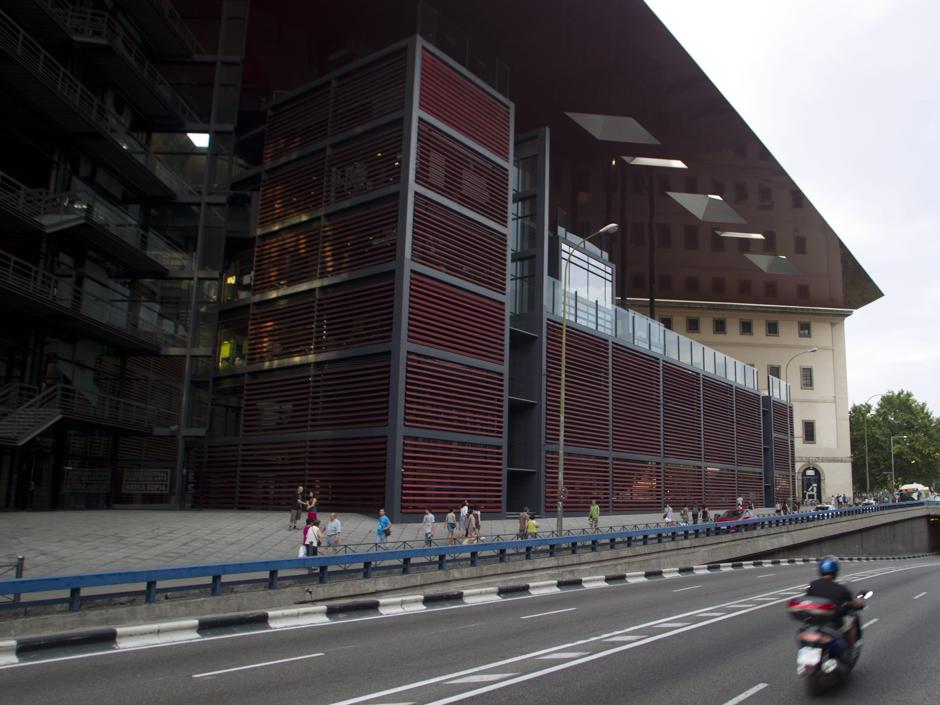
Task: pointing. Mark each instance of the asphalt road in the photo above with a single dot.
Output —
(703, 639)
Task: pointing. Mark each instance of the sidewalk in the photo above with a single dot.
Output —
(62, 543)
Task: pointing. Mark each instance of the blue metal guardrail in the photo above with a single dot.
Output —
(319, 567)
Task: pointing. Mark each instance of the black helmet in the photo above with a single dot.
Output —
(829, 566)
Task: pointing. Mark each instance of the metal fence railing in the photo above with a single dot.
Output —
(387, 560)
(14, 570)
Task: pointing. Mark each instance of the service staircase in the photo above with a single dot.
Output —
(25, 412)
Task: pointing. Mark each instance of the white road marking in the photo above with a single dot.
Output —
(743, 605)
(580, 642)
(254, 665)
(671, 625)
(479, 678)
(711, 614)
(564, 655)
(766, 575)
(693, 587)
(917, 597)
(869, 623)
(764, 599)
(746, 694)
(543, 614)
(627, 637)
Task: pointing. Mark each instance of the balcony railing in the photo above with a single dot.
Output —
(648, 334)
(37, 204)
(139, 320)
(174, 20)
(94, 24)
(25, 50)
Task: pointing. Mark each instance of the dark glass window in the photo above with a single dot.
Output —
(809, 431)
(740, 191)
(718, 285)
(765, 197)
(796, 198)
(637, 282)
(638, 234)
(690, 237)
(719, 326)
(806, 378)
(770, 241)
(744, 245)
(667, 322)
(691, 184)
(805, 328)
(663, 235)
(773, 328)
(770, 289)
(718, 188)
(746, 327)
(718, 243)
(802, 291)
(773, 371)
(799, 244)
(691, 283)
(744, 287)
(691, 325)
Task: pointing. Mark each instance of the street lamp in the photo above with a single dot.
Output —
(865, 420)
(651, 163)
(609, 228)
(786, 378)
(894, 481)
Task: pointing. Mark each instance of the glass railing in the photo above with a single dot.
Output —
(778, 389)
(639, 330)
(51, 73)
(98, 25)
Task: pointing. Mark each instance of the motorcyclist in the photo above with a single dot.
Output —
(826, 586)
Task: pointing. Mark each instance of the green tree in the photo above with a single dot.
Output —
(916, 457)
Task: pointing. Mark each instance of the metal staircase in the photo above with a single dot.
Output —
(21, 422)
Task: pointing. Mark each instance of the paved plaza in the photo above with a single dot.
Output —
(65, 542)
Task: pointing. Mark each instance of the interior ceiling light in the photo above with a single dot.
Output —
(707, 207)
(613, 128)
(655, 161)
(743, 236)
(773, 264)
(199, 139)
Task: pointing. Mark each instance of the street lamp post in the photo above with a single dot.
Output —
(894, 481)
(865, 425)
(559, 507)
(786, 378)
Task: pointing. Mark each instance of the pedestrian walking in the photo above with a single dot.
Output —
(695, 513)
(427, 527)
(312, 536)
(684, 514)
(451, 525)
(464, 513)
(334, 532)
(667, 514)
(297, 508)
(523, 523)
(532, 528)
(706, 517)
(594, 515)
(383, 528)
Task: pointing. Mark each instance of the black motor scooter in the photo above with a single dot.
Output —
(824, 657)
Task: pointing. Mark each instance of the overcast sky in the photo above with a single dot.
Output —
(845, 94)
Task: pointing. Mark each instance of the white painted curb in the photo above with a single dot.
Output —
(636, 577)
(397, 605)
(8, 653)
(480, 595)
(700, 570)
(297, 617)
(670, 572)
(163, 633)
(595, 581)
(543, 587)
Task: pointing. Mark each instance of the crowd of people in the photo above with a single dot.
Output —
(313, 536)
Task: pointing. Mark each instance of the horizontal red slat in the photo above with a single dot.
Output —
(453, 397)
(636, 402)
(444, 316)
(456, 101)
(447, 167)
(440, 475)
(682, 416)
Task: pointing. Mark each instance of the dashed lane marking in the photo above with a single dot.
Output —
(670, 625)
(691, 587)
(254, 665)
(627, 637)
(480, 678)
(545, 614)
(711, 614)
(746, 694)
(767, 575)
(869, 623)
(917, 597)
(563, 655)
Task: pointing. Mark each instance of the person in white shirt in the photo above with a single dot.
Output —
(427, 526)
(667, 514)
(464, 512)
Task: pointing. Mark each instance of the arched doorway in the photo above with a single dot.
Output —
(811, 485)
